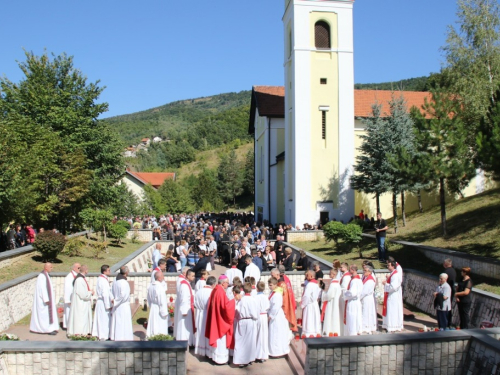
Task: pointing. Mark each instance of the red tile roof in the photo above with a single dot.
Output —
(270, 100)
(364, 99)
(155, 179)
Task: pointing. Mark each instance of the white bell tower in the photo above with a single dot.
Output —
(319, 110)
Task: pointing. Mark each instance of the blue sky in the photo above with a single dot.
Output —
(152, 52)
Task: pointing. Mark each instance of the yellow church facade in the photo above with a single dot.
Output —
(306, 134)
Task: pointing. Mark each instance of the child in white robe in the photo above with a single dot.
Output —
(331, 322)
(311, 317)
(262, 324)
(279, 330)
(247, 313)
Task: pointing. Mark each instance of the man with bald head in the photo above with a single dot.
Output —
(68, 291)
(44, 313)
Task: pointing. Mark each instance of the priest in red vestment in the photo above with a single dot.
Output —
(220, 317)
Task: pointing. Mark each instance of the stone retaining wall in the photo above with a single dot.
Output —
(139, 259)
(103, 358)
(304, 235)
(419, 287)
(448, 352)
(142, 235)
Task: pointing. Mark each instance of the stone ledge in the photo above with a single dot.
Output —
(405, 338)
(92, 346)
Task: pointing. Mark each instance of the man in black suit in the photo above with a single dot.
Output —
(201, 265)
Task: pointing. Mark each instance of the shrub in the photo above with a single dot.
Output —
(352, 236)
(117, 232)
(124, 224)
(333, 231)
(160, 338)
(82, 338)
(49, 244)
(74, 247)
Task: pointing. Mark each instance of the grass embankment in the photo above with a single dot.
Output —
(33, 263)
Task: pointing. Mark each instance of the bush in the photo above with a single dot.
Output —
(333, 231)
(49, 244)
(118, 232)
(124, 224)
(160, 338)
(352, 236)
(74, 247)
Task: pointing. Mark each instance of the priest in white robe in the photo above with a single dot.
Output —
(311, 317)
(121, 316)
(331, 319)
(252, 270)
(245, 328)
(44, 313)
(184, 325)
(369, 306)
(102, 314)
(393, 300)
(345, 279)
(158, 307)
(262, 324)
(279, 329)
(201, 298)
(80, 316)
(353, 310)
(68, 290)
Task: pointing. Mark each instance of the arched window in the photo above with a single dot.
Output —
(322, 35)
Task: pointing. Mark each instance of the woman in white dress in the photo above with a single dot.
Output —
(331, 322)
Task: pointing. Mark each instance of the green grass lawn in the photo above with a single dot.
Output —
(33, 263)
(472, 224)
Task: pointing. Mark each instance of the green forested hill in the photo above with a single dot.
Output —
(172, 120)
(410, 84)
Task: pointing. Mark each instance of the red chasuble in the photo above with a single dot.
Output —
(220, 317)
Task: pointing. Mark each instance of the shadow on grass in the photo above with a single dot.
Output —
(40, 259)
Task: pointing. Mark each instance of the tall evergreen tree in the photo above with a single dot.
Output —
(488, 139)
(369, 176)
(230, 178)
(249, 173)
(445, 154)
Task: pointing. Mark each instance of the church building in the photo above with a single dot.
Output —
(306, 133)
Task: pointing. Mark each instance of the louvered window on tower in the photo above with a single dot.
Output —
(323, 124)
(322, 35)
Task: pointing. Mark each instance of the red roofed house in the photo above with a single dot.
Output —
(136, 181)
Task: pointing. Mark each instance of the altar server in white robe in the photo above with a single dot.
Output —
(68, 290)
(44, 313)
(184, 325)
(158, 307)
(344, 283)
(181, 277)
(156, 256)
(393, 300)
(102, 314)
(245, 328)
(121, 318)
(311, 317)
(331, 321)
(252, 270)
(279, 329)
(262, 324)
(202, 281)
(80, 315)
(353, 312)
(201, 298)
(234, 272)
(369, 319)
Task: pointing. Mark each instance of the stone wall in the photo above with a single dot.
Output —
(447, 352)
(139, 260)
(142, 235)
(304, 235)
(103, 358)
(418, 289)
(16, 299)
